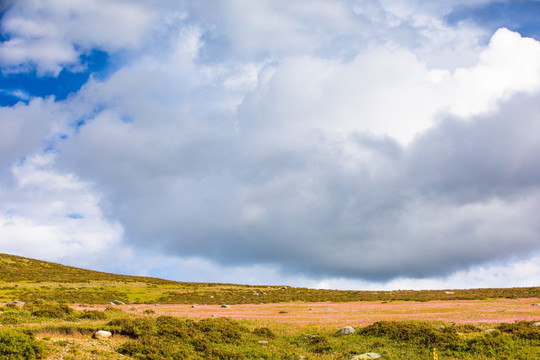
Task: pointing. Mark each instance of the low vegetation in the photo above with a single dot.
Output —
(165, 337)
(31, 280)
(42, 324)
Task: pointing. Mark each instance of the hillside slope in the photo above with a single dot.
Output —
(20, 269)
(30, 280)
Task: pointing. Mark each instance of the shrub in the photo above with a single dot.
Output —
(93, 315)
(264, 332)
(133, 327)
(521, 329)
(154, 349)
(15, 345)
(419, 333)
(56, 311)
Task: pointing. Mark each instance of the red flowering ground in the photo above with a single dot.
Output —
(358, 313)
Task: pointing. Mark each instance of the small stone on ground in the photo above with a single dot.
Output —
(366, 356)
(347, 330)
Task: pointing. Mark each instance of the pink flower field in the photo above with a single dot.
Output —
(358, 313)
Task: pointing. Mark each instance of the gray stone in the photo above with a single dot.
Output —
(536, 323)
(102, 334)
(369, 355)
(225, 306)
(263, 342)
(347, 330)
(311, 336)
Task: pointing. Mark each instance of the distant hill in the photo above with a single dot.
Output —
(31, 280)
(20, 269)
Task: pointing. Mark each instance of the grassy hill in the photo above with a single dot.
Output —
(30, 280)
(20, 269)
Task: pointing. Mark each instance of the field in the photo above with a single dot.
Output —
(59, 308)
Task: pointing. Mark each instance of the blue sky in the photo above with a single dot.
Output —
(342, 144)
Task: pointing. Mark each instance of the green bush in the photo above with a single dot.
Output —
(521, 330)
(14, 317)
(93, 315)
(133, 327)
(419, 333)
(55, 311)
(15, 345)
(264, 332)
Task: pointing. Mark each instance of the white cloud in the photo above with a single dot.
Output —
(278, 146)
(54, 216)
(51, 35)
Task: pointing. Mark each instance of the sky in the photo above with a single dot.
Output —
(343, 144)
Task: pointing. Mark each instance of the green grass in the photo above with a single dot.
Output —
(31, 280)
(46, 326)
(167, 337)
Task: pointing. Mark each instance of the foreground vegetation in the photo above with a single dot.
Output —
(37, 323)
(45, 330)
(29, 280)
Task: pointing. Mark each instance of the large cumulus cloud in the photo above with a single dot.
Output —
(357, 140)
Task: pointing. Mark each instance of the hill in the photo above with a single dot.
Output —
(20, 269)
(27, 279)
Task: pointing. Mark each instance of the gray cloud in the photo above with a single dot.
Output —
(321, 143)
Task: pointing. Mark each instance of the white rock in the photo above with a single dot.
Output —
(536, 323)
(347, 330)
(366, 356)
(225, 306)
(102, 334)
(263, 342)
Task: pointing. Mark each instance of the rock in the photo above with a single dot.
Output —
(311, 336)
(225, 306)
(263, 342)
(309, 309)
(194, 306)
(366, 356)
(117, 302)
(347, 330)
(449, 292)
(535, 304)
(255, 293)
(102, 334)
(18, 303)
(489, 331)
(536, 323)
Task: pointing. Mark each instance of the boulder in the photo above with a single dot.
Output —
(369, 355)
(347, 330)
(536, 323)
(225, 306)
(102, 334)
